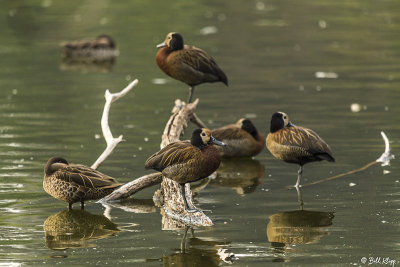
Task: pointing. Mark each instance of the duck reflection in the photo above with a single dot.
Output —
(73, 228)
(241, 174)
(297, 227)
(195, 251)
(86, 64)
(134, 205)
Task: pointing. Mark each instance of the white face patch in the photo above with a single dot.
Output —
(205, 136)
(285, 118)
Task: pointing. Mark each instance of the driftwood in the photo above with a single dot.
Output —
(169, 197)
(110, 140)
(173, 204)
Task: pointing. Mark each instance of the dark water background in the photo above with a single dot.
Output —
(271, 52)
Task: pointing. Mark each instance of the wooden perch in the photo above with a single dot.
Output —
(110, 140)
(170, 196)
(133, 187)
(173, 204)
(175, 126)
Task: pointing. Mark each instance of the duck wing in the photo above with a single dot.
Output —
(174, 153)
(87, 177)
(306, 140)
(230, 132)
(199, 61)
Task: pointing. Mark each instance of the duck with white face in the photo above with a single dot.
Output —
(295, 144)
(242, 139)
(188, 161)
(187, 64)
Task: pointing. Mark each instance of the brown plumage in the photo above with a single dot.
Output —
(75, 183)
(187, 64)
(242, 139)
(295, 144)
(103, 47)
(186, 162)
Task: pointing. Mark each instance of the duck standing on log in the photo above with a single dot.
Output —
(187, 64)
(188, 161)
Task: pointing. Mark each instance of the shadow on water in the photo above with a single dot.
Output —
(240, 174)
(295, 228)
(74, 228)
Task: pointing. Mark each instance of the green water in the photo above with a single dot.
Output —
(271, 52)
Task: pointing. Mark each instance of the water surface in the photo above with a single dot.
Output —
(310, 59)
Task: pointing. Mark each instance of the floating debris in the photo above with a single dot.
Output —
(227, 257)
(352, 184)
(326, 75)
(221, 17)
(322, 24)
(250, 115)
(355, 107)
(159, 81)
(208, 30)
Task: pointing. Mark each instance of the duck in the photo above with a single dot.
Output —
(103, 47)
(242, 139)
(295, 144)
(187, 63)
(188, 161)
(75, 182)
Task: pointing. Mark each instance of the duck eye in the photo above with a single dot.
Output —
(284, 117)
(203, 134)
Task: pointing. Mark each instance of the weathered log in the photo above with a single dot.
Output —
(173, 204)
(133, 187)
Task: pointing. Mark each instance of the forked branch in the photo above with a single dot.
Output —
(110, 140)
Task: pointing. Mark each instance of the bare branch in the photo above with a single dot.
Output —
(170, 193)
(196, 120)
(384, 159)
(176, 124)
(110, 140)
(132, 187)
(386, 156)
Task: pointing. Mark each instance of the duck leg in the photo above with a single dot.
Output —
(183, 241)
(299, 174)
(300, 197)
(191, 92)
(188, 209)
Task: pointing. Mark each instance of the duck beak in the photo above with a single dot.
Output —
(161, 45)
(290, 124)
(216, 142)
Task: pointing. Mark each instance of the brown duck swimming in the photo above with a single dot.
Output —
(188, 161)
(295, 144)
(242, 139)
(103, 47)
(187, 64)
(75, 183)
